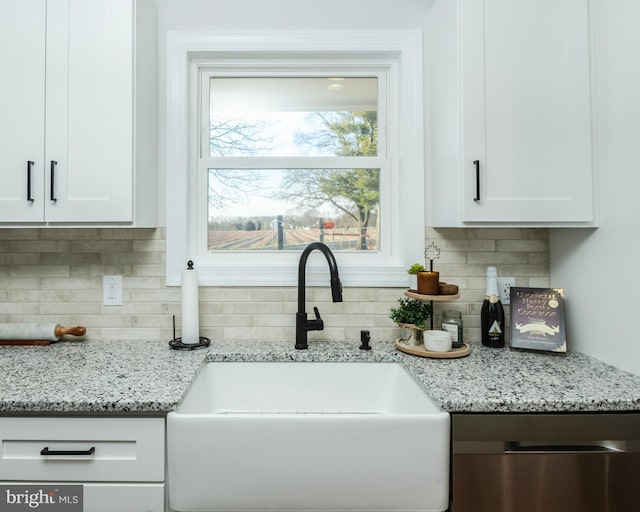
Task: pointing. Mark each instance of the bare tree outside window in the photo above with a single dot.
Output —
(234, 136)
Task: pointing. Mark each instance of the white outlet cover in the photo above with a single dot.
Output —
(504, 287)
(112, 290)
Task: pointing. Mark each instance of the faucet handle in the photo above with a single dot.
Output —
(317, 324)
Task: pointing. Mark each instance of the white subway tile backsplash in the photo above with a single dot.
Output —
(497, 258)
(38, 270)
(31, 258)
(55, 275)
(224, 295)
(149, 246)
(20, 234)
(69, 308)
(40, 246)
(243, 308)
(263, 320)
(272, 294)
(360, 295)
(522, 245)
(359, 308)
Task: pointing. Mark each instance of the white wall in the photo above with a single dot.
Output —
(291, 14)
(600, 269)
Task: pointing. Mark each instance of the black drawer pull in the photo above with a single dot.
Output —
(30, 164)
(46, 451)
(52, 195)
(477, 164)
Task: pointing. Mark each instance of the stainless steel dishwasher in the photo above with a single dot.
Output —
(545, 462)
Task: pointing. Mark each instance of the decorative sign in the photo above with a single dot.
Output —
(537, 319)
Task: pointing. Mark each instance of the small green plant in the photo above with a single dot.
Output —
(411, 311)
(415, 268)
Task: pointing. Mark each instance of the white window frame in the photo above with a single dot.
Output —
(397, 56)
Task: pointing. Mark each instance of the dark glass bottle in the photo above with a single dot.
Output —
(492, 313)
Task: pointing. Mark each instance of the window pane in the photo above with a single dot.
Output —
(293, 116)
(272, 209)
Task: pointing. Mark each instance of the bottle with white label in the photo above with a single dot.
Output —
(492, 313)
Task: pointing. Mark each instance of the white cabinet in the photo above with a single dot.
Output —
(79, 113)
(509, 113)
(119, 462)
(22, 91)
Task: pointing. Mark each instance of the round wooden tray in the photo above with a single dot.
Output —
(442, 298)
(419, 350)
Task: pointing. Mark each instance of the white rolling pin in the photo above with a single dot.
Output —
(50, 332)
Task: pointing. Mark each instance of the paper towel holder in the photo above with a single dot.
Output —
(176, 343)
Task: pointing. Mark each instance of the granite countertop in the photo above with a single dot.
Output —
(147, 377)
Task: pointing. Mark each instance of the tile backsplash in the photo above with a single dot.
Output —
(55, 275)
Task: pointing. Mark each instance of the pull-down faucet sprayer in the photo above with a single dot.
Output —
(303, 325)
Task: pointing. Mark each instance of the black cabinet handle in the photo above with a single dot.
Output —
(30, 164)
(52, 195)
(477, 164)
(46, 451)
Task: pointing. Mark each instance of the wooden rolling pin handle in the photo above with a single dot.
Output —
(74, 331)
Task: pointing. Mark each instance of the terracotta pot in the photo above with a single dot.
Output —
(429, 283)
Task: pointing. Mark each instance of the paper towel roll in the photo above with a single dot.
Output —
(190, 306)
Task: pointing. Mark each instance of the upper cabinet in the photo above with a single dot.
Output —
(79, 131)
(509, 113)
(22, 53)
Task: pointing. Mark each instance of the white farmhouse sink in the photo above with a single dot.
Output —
(307, 437)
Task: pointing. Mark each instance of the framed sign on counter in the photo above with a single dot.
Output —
(537, 319)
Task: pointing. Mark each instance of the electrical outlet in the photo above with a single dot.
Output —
(112, 290)
(504, 288)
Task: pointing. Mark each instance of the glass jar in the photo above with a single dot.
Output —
(452, 322)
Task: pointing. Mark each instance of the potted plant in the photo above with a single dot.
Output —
(411, 315)
(413, 275)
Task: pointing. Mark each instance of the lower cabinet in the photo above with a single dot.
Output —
(117, 463)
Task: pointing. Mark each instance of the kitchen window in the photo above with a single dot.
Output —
(292, 146)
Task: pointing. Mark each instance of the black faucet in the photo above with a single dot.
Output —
(302, 324)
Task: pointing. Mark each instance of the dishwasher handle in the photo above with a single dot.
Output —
(528, 447)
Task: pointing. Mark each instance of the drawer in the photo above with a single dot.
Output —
(110, 497)
(82, 449)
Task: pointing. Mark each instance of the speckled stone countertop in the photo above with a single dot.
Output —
(147, 377)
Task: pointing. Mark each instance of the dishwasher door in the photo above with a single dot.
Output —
(545, 463)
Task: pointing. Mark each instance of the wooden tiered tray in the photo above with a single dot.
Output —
(419, 350)
(436, 298)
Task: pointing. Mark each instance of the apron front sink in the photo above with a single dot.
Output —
(307, 437)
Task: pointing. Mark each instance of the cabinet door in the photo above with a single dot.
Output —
(22, 54)
(89, 101)
(526, 111)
